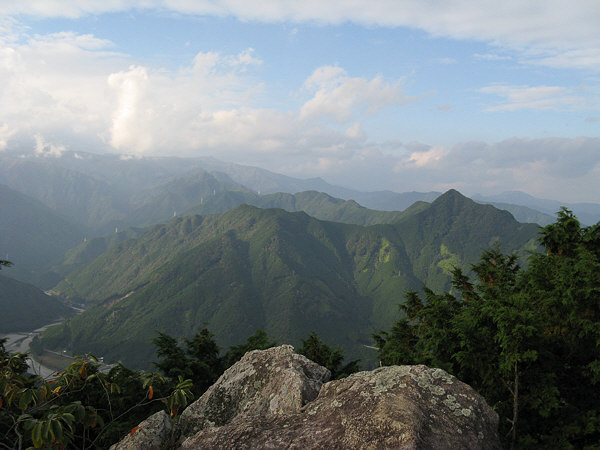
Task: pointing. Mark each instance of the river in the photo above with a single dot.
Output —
(19, 342)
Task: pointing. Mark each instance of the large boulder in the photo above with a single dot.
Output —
(268, 382)
(151, 434)
(411, 407)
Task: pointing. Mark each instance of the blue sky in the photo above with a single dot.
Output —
(480, 96)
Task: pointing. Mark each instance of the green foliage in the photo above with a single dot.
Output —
(82, 406)
(200, 361)
(286, 273)
(527, 340)
(258, 341)
(316, 350)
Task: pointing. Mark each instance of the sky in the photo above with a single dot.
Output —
(481, 96)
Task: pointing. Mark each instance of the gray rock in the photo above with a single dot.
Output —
(151, 434)
(275, 381)
(411, 407)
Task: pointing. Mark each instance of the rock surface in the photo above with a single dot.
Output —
(151, 434)
(276, 399)
(268, 382)
(411, 407)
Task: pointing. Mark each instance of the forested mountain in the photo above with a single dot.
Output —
(287, 273)
(81, 199)
(85, 196)
(315, 204)
(101, 192)
(90, 249)
(33, 237)
(25, 307)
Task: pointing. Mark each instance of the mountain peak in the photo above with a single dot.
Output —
(451, 195)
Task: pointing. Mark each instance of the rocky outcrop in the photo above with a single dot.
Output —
(276, 399)
(411, 407)
(152, 434)
(270, 382)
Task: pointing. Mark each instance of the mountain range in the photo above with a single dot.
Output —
(178, 244)
(287, 273)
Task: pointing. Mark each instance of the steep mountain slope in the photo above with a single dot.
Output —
(285, 272)
(80, 198)
(91, 248)
(33, 237)
(25, 307)
(454, 231)
(161, 203)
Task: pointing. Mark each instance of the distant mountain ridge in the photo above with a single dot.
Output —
(102, 192)
(587, 213)
(288, 273)
(33, 237)
(97, 196)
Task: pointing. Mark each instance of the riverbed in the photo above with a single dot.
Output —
(19, 342)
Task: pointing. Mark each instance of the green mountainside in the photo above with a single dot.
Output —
(161, 203)
(80, 198)
(316, 204)
(90, 249)
(287, 273)
(24, 307)
(33, 237)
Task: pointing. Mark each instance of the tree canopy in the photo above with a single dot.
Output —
(321, 353)
(527, 339)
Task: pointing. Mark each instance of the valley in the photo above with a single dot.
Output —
(195, 248)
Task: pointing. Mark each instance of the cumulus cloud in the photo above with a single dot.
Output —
(55, 84)
(70, 87)
(548, 32)
(340, 96)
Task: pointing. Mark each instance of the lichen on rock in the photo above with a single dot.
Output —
(277, 399)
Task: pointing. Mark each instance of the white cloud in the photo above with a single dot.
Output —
(130, 89)
(5, 134)
(47, 149)
(536, 98)
(430, 158)
(491, 57)
(69, 87)
(551, 167)
(340, 96)
(355, 132)
(565, 169)
(558, 33)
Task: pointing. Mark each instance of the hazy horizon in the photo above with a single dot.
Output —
(483, 97)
